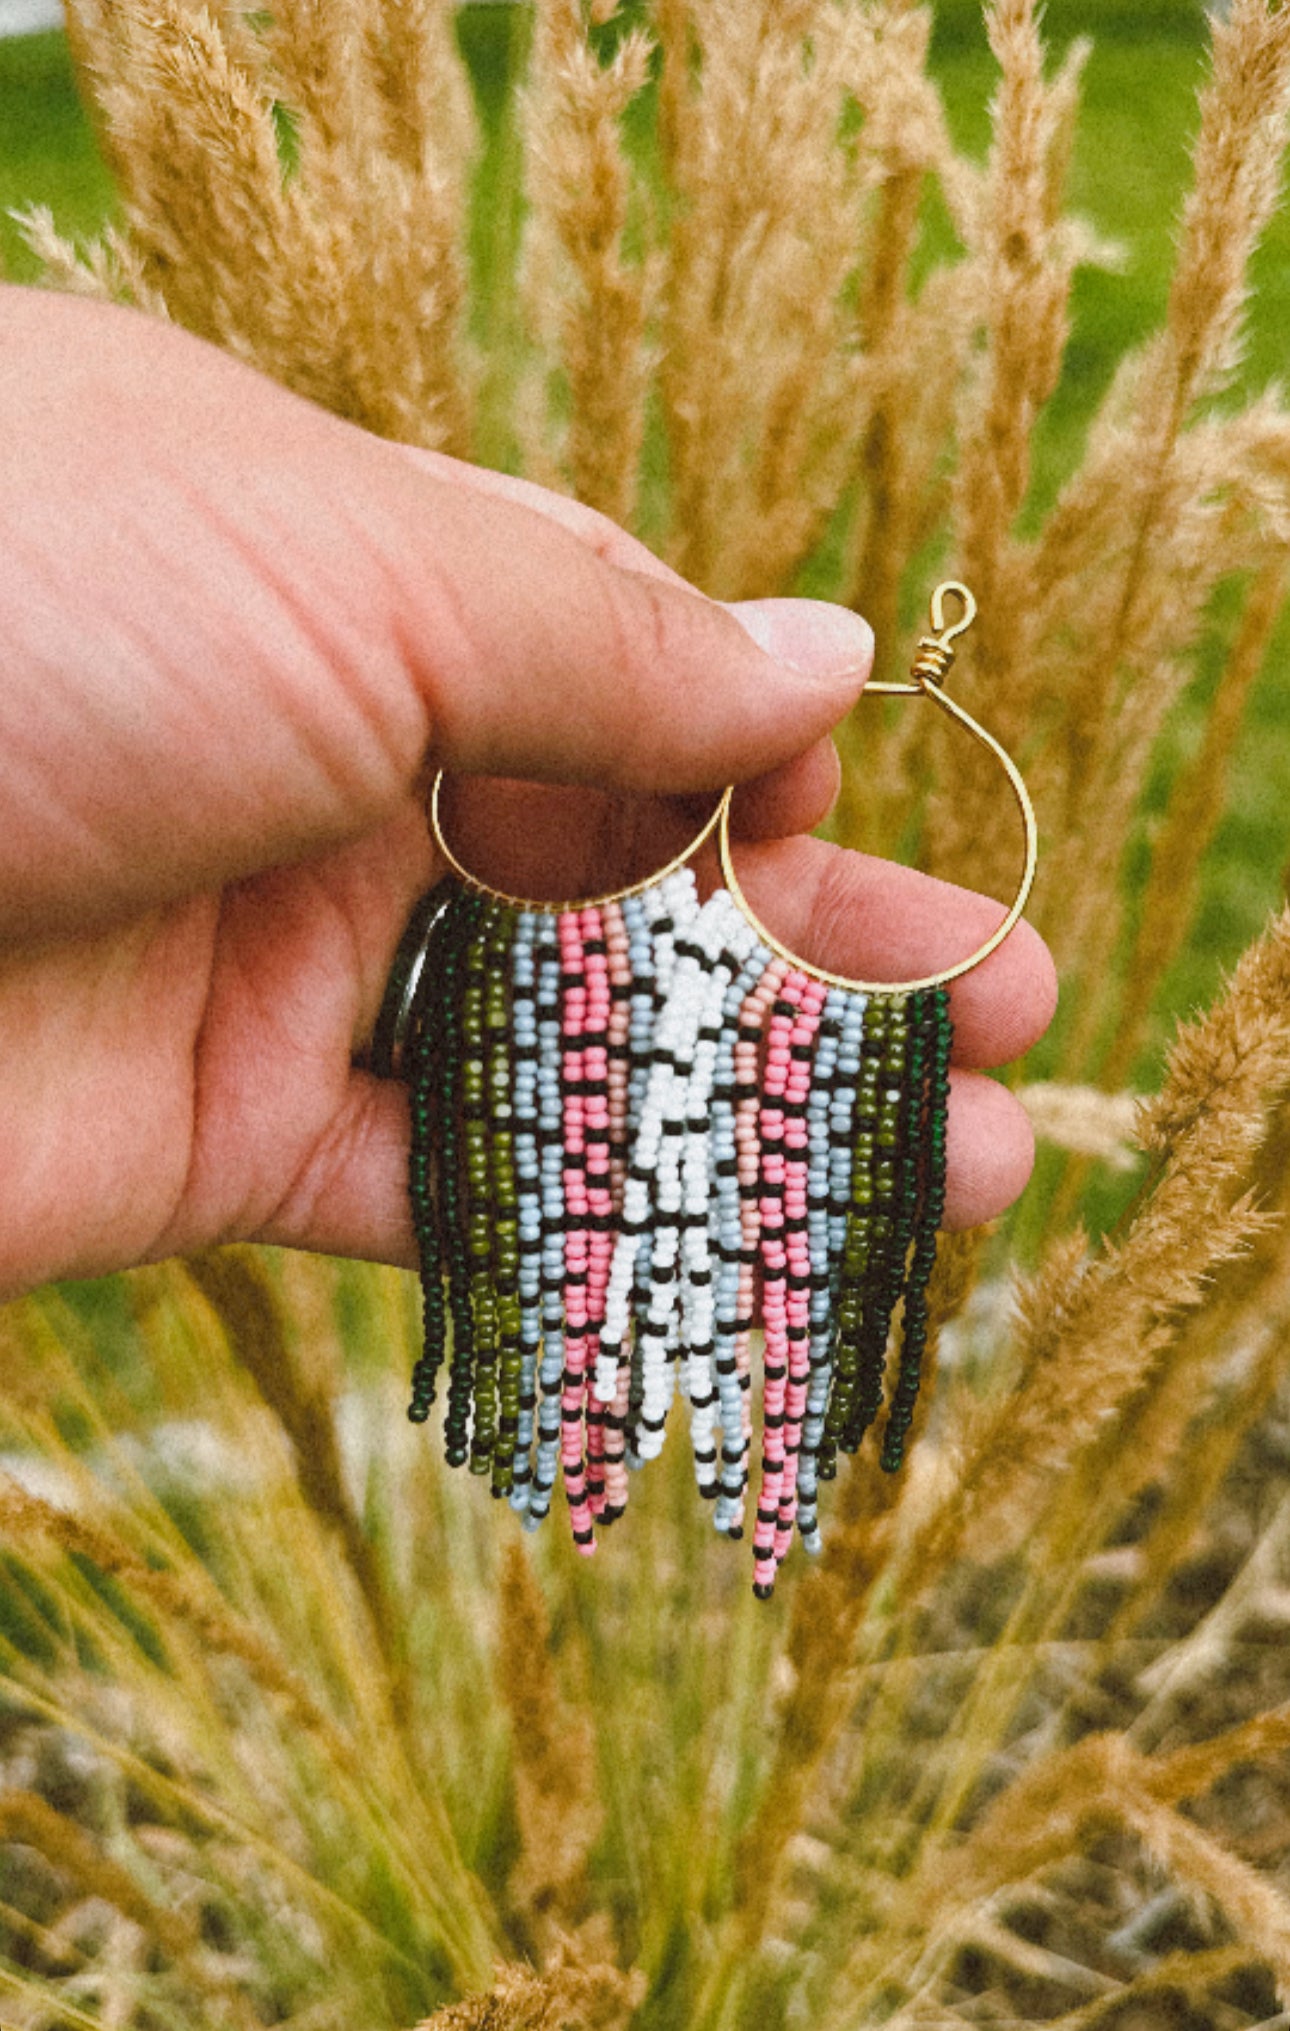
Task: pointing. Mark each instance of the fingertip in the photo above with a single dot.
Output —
(588, 672)
(351, 1197)
(811, 637)
(990, 1149)
(795, 798)
(1007, 1002)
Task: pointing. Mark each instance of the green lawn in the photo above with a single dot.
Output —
(47, 153)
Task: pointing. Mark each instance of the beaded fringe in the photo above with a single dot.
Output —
(628, 1121)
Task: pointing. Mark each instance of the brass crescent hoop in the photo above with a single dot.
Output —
(934, 657)
(578, 903)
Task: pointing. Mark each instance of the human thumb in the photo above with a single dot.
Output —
(237, 629)
(540, 656)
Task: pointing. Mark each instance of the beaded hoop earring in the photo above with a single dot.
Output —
(631, 1114)
(527, 1057)
(850, 1165)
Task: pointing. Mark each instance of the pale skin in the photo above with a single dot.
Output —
(238, 636)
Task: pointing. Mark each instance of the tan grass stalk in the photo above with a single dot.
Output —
(108, 268)
(1142, 1440)
(589, 300)
(755, 265)
(1174, 1682)
(1258, 1912)
(1115, 571)
(27, 1818)
(26, 1521)
(262, 1818)
(910, 351)
(1090, 1330)
(554, 1759)
(1083, 1119)
(190, 1802)
(344, 279)
(313, 49)
(410, 222)
(1183, 1431)
(571, 1999)
(232, 249)
(1044, 1815)
(841, 368)
(1186, 1974)
(385, 138)
(1024, 1956)
(35, 1941)
(45, 2004)
(828, 1612)
(430, 112)
(1237, 183)
(673, 34)
(1195, 809)
(906, 386)
(1187, 1772)
(1177, 1682)
(1110, 740)
(234, 1283)
(1027, 261)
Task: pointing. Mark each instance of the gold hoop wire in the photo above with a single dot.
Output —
(484, 888)
(931, 663)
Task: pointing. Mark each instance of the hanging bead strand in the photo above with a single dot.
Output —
(425, 1188)
(504, 1196)
(896, 1190)
(600, 1207)
(725, 938)
(843, 1130)
(528, 1180)
(480, 1211)
(749, 1031)
(550, 1147)
(573, 1013)
(797, 1279)
(728, 1242)
(823, 1089)
(452, 1186)
(619, 935)
(931, 1141)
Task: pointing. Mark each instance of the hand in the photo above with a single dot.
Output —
(237, 635)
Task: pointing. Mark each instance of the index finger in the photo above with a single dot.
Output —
(873, 920)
